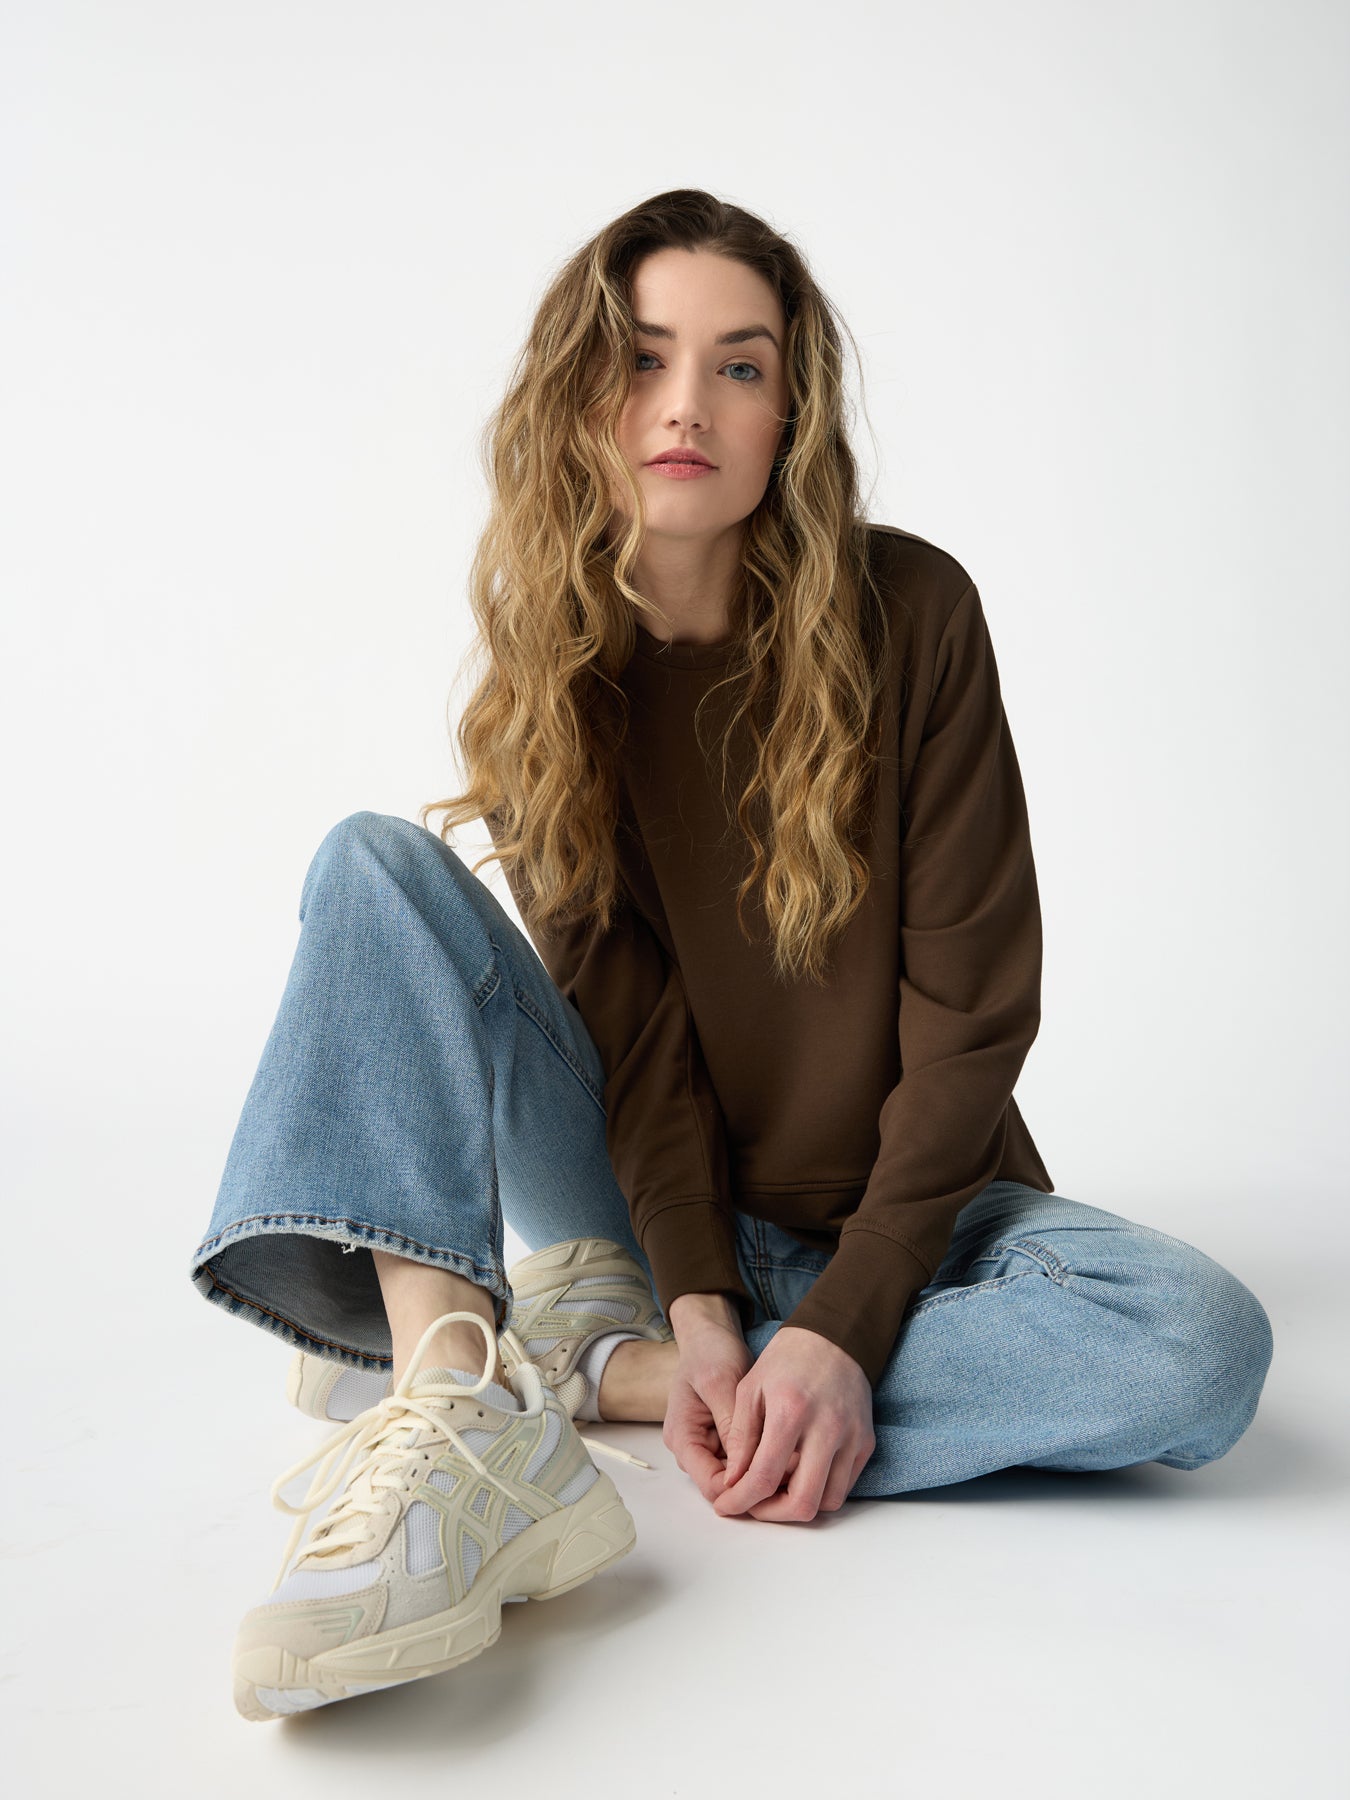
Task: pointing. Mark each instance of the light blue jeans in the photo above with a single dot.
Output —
(424, 1077)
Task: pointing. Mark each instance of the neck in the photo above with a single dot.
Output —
(690, 581)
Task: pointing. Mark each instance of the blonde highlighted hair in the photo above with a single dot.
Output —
(541, 737)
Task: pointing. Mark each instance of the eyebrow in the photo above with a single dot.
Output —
(742, 336)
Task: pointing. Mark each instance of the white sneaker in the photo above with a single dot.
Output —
(565, 1297)
(454, 1496)
(330, 1390)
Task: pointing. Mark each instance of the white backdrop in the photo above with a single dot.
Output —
(265, 268)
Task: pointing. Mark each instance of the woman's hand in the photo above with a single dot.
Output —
(713, 1358)
(806, 1406)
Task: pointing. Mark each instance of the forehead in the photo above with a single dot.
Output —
(699, 293)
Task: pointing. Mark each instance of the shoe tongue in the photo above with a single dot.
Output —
(494, 1393)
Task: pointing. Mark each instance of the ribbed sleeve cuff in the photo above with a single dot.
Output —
(691, 1246)
(859, 1298)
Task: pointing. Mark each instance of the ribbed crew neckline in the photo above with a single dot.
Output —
(681, 656)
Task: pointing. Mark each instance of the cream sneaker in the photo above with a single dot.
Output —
(564, 1298)
(568, 1295)
(330, 1390)
(454, 1497)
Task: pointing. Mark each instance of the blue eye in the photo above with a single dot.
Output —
(736, 365)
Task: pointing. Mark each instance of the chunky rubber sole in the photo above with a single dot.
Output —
(548, 1558)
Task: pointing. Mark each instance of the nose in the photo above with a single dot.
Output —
(687, 401)
(688, 417)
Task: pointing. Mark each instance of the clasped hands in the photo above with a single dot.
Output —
(782, 1436)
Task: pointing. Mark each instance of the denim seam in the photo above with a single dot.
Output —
(482, 991)
(367, 1236)
(288, 1325)
(970, 1289)
(533, 1013)
(768, 1294)
(1054, 1266)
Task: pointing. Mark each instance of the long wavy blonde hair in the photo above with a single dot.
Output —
(540, 740)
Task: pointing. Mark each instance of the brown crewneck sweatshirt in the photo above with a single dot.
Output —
(863, 1115)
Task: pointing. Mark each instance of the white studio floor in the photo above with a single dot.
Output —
(1146, 1629)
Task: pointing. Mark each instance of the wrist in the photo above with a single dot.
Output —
(690, 1313)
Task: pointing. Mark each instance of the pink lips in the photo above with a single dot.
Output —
(681, 464)
(682, 453)
(682, 471)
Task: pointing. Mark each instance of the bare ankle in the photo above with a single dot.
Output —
(454, 1348)
(414, 1295)
(635, 1385)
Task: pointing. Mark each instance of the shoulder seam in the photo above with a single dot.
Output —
(947, 623)
(897, 531)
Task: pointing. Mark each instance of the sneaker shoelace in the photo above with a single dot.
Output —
(383, 1435)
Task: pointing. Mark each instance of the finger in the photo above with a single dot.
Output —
(767, 1469)
(693, 1443)
(844, 1472)
(781, 1493)
(742, 1437)
(685, 1424)
(719, 1402)
(800, 1503)
(720, 1479)
(704, 1470)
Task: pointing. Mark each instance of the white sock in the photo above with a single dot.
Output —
(592, 1365)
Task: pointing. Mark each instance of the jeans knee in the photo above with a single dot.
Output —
(366, 843)
(1244, 1342)
(1225, 1358)
(367, 831)
(397, 870)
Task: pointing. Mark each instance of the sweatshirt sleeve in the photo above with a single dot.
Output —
(663, 1121)
(970, 938)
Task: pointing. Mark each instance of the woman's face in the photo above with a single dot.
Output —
(692, 389)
